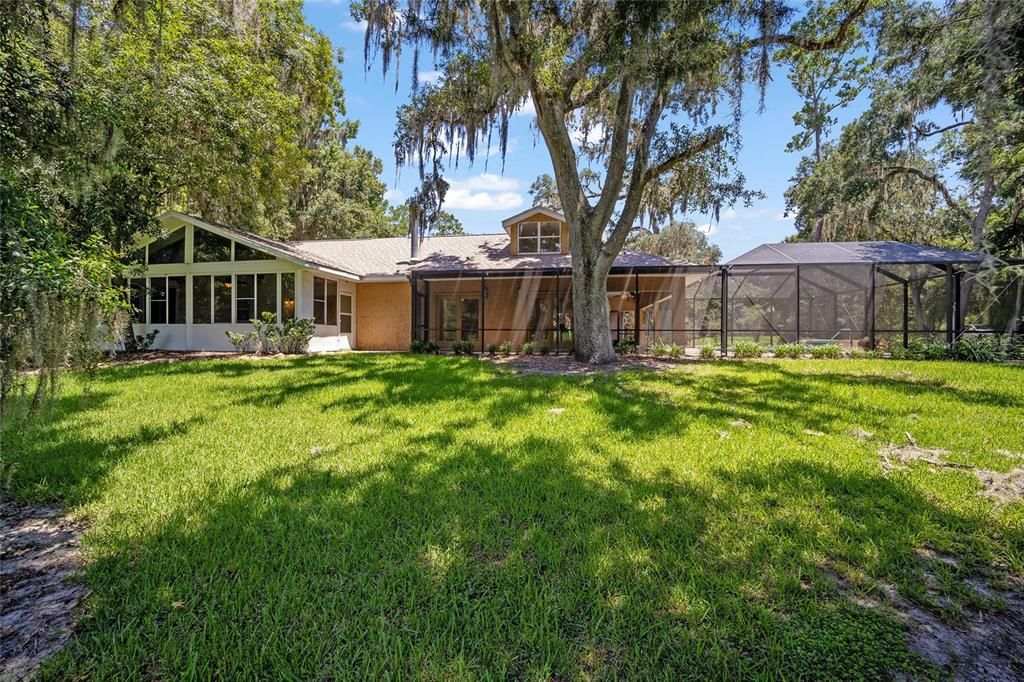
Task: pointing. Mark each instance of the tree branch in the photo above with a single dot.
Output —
(809, 44)
(639, 174)
(921, 132)
(617, 157)
(891, 171)
(709, 140)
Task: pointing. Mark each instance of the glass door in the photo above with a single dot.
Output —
(460, 318)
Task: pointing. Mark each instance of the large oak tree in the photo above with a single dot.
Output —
(644, 82)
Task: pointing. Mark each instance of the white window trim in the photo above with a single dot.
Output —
(535, 241)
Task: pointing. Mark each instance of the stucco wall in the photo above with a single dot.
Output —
(384, 315)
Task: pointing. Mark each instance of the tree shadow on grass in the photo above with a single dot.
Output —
(466, 558)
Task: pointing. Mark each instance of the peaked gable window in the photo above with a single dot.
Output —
(208, 247)
(169, 249)
(545, 237)
(243, 252)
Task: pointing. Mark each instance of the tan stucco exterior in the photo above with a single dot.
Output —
(383, 315)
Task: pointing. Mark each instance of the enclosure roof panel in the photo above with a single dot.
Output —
(835, 253)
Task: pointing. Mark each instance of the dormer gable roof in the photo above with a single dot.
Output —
(533, 210)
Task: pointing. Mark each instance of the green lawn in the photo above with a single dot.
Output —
(391, 515)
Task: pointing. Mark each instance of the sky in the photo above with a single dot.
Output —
(482, 194)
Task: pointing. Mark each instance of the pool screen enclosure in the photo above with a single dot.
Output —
(856, 294)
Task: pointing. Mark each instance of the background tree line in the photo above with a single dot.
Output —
(112, 111)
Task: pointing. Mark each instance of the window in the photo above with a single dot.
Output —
(245, 298)
(460, 318)
(243, 252)
(222, 299)
(202, 299)
(287, 296)
(208, 247)
(319, 300)
(345, 315)
(332, 302)
(543, 237)
(137, 298)
(266, 294)
(167, 300)
(158, 300)
(169, 249)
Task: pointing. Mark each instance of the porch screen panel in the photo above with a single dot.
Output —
(202, 299)
(663, 309)
(222, 299)
(245, 298)
(266, 294)
(762, 304)
(287, 296)
(835, 304)
(176, 296)
(158, 300)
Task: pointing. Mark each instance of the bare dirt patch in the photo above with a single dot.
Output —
(1000, 486)
(982, 643)
(39, 560)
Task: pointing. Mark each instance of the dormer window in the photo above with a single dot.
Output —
(545, 237)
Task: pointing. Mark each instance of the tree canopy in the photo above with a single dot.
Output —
(679, 241)
(938, 154)
(628, 97)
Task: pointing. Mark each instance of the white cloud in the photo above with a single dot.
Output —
(484, 192)
(429, 77)
(708, 229)
(353, 25)
(594, 135)
(526, 109)
(394, 195)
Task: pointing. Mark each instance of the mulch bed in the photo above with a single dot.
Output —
(39, 563)
(567, 365)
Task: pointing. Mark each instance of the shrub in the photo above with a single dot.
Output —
(747, 349)
(464, 345)
(425, 347)
(244, 342)
(1015, 347)
(659, 348)
(137, 343)
(826, 351)
(707, 351)
(790, 350)
(625, 346)
(544, 350)
(675, 350)
(264, 328)
(526, 348)
(979, 349)
(492, 349)
(505, 348)
(865, 354)
(293, 336)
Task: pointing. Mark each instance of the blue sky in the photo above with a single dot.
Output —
(482, 196)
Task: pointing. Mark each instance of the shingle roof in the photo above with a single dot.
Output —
(389, 256)
(831, 253)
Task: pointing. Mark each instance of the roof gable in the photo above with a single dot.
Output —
(530, 212)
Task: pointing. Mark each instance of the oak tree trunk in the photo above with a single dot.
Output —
(592, 338)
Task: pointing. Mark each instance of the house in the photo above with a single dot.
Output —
(203, 279)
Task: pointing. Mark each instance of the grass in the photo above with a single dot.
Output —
(391, 515)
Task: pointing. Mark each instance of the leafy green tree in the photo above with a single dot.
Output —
(628, 88)
(445, 224)
(936, 157)
(342, 196)
(680, 241)
(544, 193)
